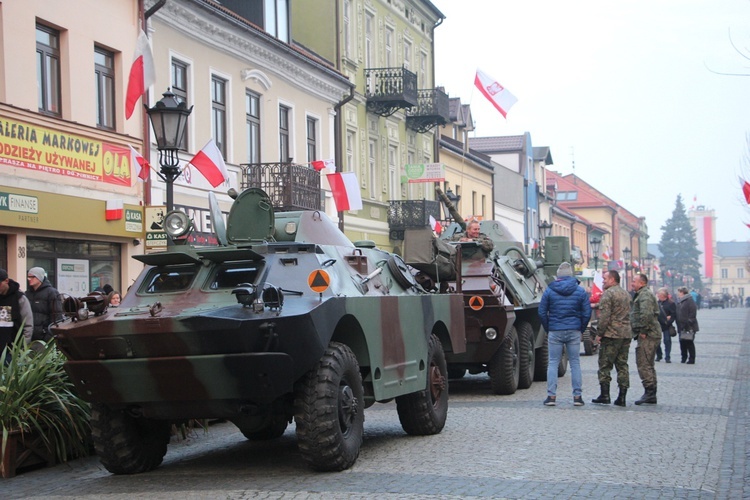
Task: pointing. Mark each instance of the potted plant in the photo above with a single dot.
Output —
(41, 417)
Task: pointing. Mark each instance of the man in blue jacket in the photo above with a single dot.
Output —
(565, 312)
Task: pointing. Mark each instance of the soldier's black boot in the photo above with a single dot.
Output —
(620, 401)
(649, 397)
(603, 398)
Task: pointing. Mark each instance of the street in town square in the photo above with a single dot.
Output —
(693, 444)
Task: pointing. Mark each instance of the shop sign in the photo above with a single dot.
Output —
(133, 221)
(423, 172)
(73, 277)
(19, 203)
(156, 240)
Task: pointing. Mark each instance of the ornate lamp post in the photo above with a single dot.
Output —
(545, 228)
(647, 263)
(169, 120)
(595, 246)
(626, 252)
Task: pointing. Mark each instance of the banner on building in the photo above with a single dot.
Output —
(423, 172)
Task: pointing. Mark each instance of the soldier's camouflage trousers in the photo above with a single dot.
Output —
(614, 352)
(644, 360)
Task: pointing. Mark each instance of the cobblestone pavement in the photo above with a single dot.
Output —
(693, 444)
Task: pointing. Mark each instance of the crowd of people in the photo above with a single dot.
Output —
(36, 310)
(624, 316)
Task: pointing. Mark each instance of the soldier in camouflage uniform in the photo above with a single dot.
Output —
(472, 234)
(614, 335)
(644, 319)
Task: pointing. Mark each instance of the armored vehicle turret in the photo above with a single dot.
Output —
(286, 320)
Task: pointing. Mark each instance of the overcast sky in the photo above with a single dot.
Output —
(622, 90)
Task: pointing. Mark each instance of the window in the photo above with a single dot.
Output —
(740, 272)
(169, 279)
(219, 113)
(348, 29)
(179, 79)
(104, 63)
(234, 275)
(312, 141)
(423, 83)
(724, 272)
(48, 69)
(351, 142)
(407, 55)
(276, 18)
(372, 164)
(393, 174)
(741, 291)
(389, 36)
(473, 203)
(484, 206)
(566, 195)
(252, 119)
(369, 40)
(284, 156)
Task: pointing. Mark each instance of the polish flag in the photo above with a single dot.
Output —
(435, 225)
(498, 95)
(142, 74)
(140, 162)
(345, 190)
(211, 164)
(656, 268)
(636, 264)
(606, 255)
(319, 165)
(745, 189)
(597, 288)
(114, 210)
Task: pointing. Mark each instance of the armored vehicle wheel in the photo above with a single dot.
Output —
(128, 445)
(542, 360)
(456, 373)
(277, 424)
(423, 413)
(329, 410)
(563, 366)
(527, 359)
(504, 367)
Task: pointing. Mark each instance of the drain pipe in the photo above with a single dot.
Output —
(337, 133)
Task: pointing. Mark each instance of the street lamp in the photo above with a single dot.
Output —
(169, 120)
(545, 228)
(626, 252)
(595, 246)
(647, 263)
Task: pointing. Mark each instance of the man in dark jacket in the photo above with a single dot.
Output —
(45, 303)
(15, 311)
(565, 312)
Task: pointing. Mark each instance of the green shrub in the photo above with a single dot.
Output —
(36, 394)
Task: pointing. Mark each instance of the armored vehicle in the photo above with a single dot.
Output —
(286, 320)
(502, 290)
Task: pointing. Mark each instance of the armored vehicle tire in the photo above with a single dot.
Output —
(456, 373)
(277, 424)
(527, 359)
(504, 366)
(542, 360)
(128, 445)
(423, 413)
(563, 366)
(329, 410)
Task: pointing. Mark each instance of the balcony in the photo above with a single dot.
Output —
(291, 187)
(432, 110)
(403, 214)
(390, 89)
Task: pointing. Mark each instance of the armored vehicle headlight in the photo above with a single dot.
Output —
(490, 333)
(177, 224)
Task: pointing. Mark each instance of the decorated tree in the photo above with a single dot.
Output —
(679, 247)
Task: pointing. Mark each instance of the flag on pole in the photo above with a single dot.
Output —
(319, 165)
(606, 254)
(597, 288)
(656, 268)
(435, 225)
(636, 264)
(745, 189)
(114, 210)
(498, 95)
(142, 73)
(138, 161)
(211, 164)
(345, 190)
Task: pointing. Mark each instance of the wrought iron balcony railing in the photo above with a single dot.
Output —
(403, 214)
(389, 89)
(432, 110)
(291, 187)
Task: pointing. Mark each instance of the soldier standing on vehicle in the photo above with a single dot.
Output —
(644, 319)
(473, 234)
(614, 335)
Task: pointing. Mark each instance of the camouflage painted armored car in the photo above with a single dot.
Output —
(501, 289)
(286, 320)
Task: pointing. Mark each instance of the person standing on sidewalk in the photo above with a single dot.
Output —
(645, 324)
(15, 312)
(45, 303)
(667, 316)
(687, 325)
(614, 336)
(565, 312)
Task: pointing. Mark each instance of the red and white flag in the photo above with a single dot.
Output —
(669, 273)
(498, 95)
(435, 225)
(211, 164)
(636, 264)
(656, 268)
(319, 165)
(114, 210)
(745, 189)
(597, 288)
(606, 255)
(141, 165)
(345, 190)
(142, 74)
